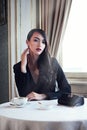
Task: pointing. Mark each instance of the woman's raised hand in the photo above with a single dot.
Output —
(24, 60)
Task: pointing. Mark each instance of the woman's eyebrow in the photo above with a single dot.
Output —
(37, 38)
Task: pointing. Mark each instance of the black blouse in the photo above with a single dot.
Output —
(26, 84)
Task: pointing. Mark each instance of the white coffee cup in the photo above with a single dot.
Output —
(19, 100)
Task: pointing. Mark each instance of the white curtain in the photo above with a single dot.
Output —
(53, 16)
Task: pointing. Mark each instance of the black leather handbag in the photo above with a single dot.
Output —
(71, 100)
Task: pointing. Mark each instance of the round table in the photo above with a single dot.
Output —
(43, 115)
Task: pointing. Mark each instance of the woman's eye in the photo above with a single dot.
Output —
(35, 40)
(43, 42)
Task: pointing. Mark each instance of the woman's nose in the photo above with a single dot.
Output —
(40, 43)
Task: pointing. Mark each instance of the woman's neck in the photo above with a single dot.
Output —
(32, 64)
(34, 57)
(32, 60)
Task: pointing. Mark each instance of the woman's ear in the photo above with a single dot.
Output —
(27, 42)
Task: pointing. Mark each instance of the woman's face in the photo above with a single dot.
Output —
(36, 43)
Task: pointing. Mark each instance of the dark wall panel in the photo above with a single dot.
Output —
(4, 90)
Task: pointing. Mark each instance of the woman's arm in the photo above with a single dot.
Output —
(63, 85)
(20, 79)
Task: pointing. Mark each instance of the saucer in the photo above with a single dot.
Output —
(19, 101)
(15, 105)
(43, 106)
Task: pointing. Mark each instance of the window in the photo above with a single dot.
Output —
(74, 47)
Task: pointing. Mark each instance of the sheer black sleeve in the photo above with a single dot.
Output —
(20, 79)
(63, 85)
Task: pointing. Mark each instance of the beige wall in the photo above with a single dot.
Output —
(78, 84)
(80, 89)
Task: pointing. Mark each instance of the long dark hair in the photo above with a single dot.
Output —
(44, 61)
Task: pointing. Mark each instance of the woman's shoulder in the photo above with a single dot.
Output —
(57, 65)
(17, 66)
(54, 62)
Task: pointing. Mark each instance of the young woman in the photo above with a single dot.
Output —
(38, 75)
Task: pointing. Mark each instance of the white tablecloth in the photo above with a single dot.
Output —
(30, 117)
